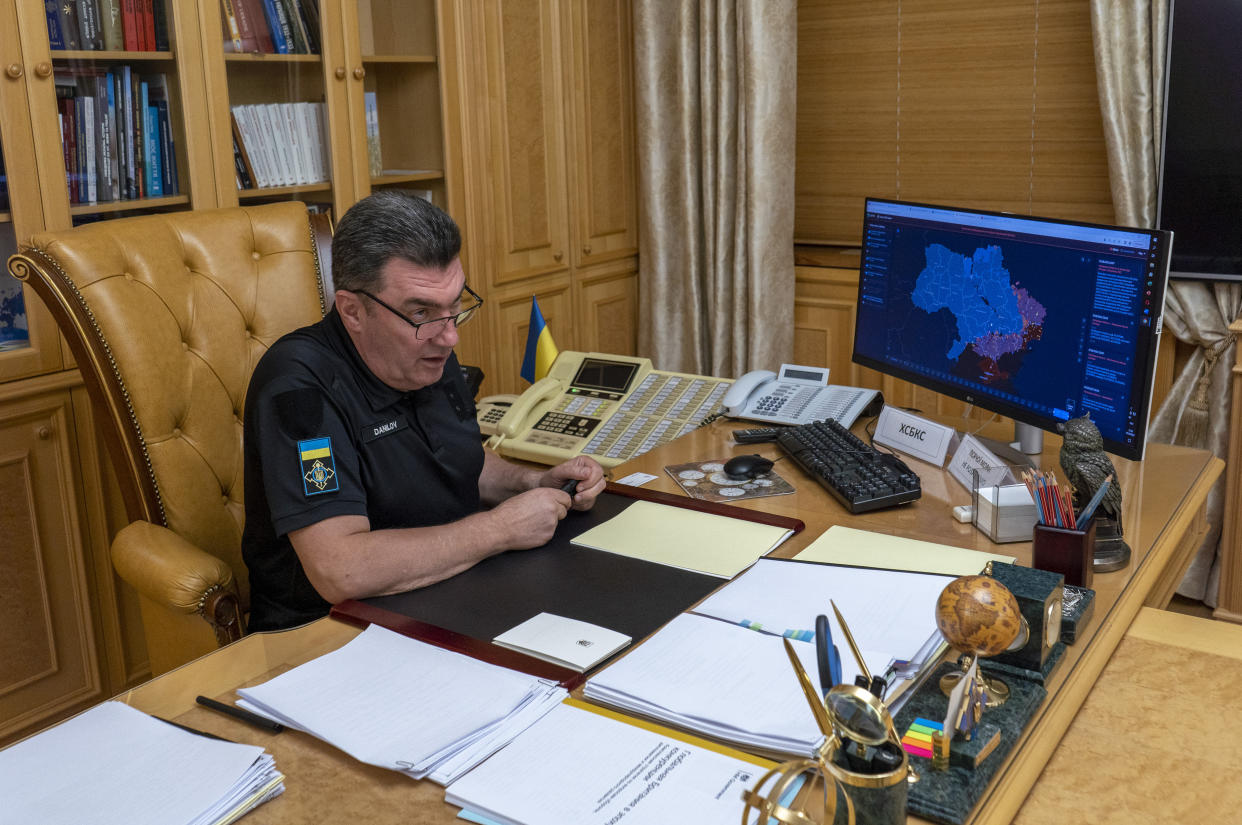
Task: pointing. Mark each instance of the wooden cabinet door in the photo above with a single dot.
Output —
(48, 662)
(599, 90)
(525, 121)
(29, 342)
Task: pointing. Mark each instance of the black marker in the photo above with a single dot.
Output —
(570, 487)
(241, 714)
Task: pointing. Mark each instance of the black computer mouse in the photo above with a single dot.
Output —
(747, 466)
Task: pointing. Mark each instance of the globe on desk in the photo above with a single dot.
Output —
(979, 617)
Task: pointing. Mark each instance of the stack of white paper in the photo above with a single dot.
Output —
(114, 764)
(577, 766)
(718, 679)
(398, 703)
(891, 613)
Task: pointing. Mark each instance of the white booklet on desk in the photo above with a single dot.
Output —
(566, 642)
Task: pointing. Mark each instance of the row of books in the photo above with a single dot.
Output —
(107, 25)
(280, 144)
(270, 26)
(116, 134)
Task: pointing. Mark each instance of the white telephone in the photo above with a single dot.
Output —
(797, 395)
(491, 409)
(611, 407)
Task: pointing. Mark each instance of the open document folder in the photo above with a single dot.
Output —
(115, 764)
(587, 766)
(392, 701)
(705, 542)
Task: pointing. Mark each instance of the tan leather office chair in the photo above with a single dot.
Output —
(167, 316)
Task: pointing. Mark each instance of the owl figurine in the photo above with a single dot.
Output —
(1086, 465)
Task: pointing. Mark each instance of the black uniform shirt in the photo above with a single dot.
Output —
(324, 437)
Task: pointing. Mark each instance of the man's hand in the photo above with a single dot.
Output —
(586, 471)
(529, 519)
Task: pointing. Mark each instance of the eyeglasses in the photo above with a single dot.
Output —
(430, 329)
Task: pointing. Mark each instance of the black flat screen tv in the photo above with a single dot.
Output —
(1201, 167)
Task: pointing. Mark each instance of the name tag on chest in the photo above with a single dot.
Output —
(382, 428)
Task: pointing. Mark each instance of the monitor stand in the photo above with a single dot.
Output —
(1024, 451)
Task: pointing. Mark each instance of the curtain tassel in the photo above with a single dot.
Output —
(1192, 429)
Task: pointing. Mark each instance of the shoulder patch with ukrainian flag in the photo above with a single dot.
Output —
(318, 466)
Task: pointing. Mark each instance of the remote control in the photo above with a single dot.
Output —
(756, 435)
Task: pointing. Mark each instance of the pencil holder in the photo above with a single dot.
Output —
(1065, 551)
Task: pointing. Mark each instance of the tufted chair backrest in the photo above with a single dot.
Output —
(167, 316)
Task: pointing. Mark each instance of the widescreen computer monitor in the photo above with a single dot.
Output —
(1037, 319)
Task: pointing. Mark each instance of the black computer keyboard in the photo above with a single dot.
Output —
(861, 477)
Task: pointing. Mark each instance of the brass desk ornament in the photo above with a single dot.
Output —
(858, 730)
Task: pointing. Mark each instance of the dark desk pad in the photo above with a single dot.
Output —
(630, 596)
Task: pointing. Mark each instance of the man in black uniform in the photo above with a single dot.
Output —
(365, 472)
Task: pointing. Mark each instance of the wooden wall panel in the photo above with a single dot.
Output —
(606, 308)
(48, 662)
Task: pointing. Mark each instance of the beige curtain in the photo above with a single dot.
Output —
(1130, 43)
(715, 94)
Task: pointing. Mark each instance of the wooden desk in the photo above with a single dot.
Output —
(1144, 747)
(1164, 500)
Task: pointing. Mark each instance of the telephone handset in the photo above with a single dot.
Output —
(795, 395)
(611, 407)
(491, 409)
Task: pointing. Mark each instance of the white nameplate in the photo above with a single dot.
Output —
(971, 457)
(913, 435)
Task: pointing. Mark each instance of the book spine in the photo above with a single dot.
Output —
(103, 142)
(140, 148)
(88, 25)
(168, 160)
(241, 158)
(251, 21)
(110, 23)
(68, 12)
(148, 25)
(249, 146)
(115, 138)
(159, 13)
(79, 148)
(155, 164)
(244, 181)
(125, 82)
(55, 38)
(90, 167)
(129, 25)
(297, 31)
(232, 33)
(69, 147)
(274, 28)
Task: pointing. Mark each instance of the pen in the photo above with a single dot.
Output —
(570, 487)
(241, 714)
(189, 729)
(827, 655)
(849, 639)
(1089, 510)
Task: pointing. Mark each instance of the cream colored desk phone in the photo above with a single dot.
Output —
(610, 407)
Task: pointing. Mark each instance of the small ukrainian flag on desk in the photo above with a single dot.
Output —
(540, 349)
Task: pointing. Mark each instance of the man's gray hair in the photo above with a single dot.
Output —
(387, 225)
